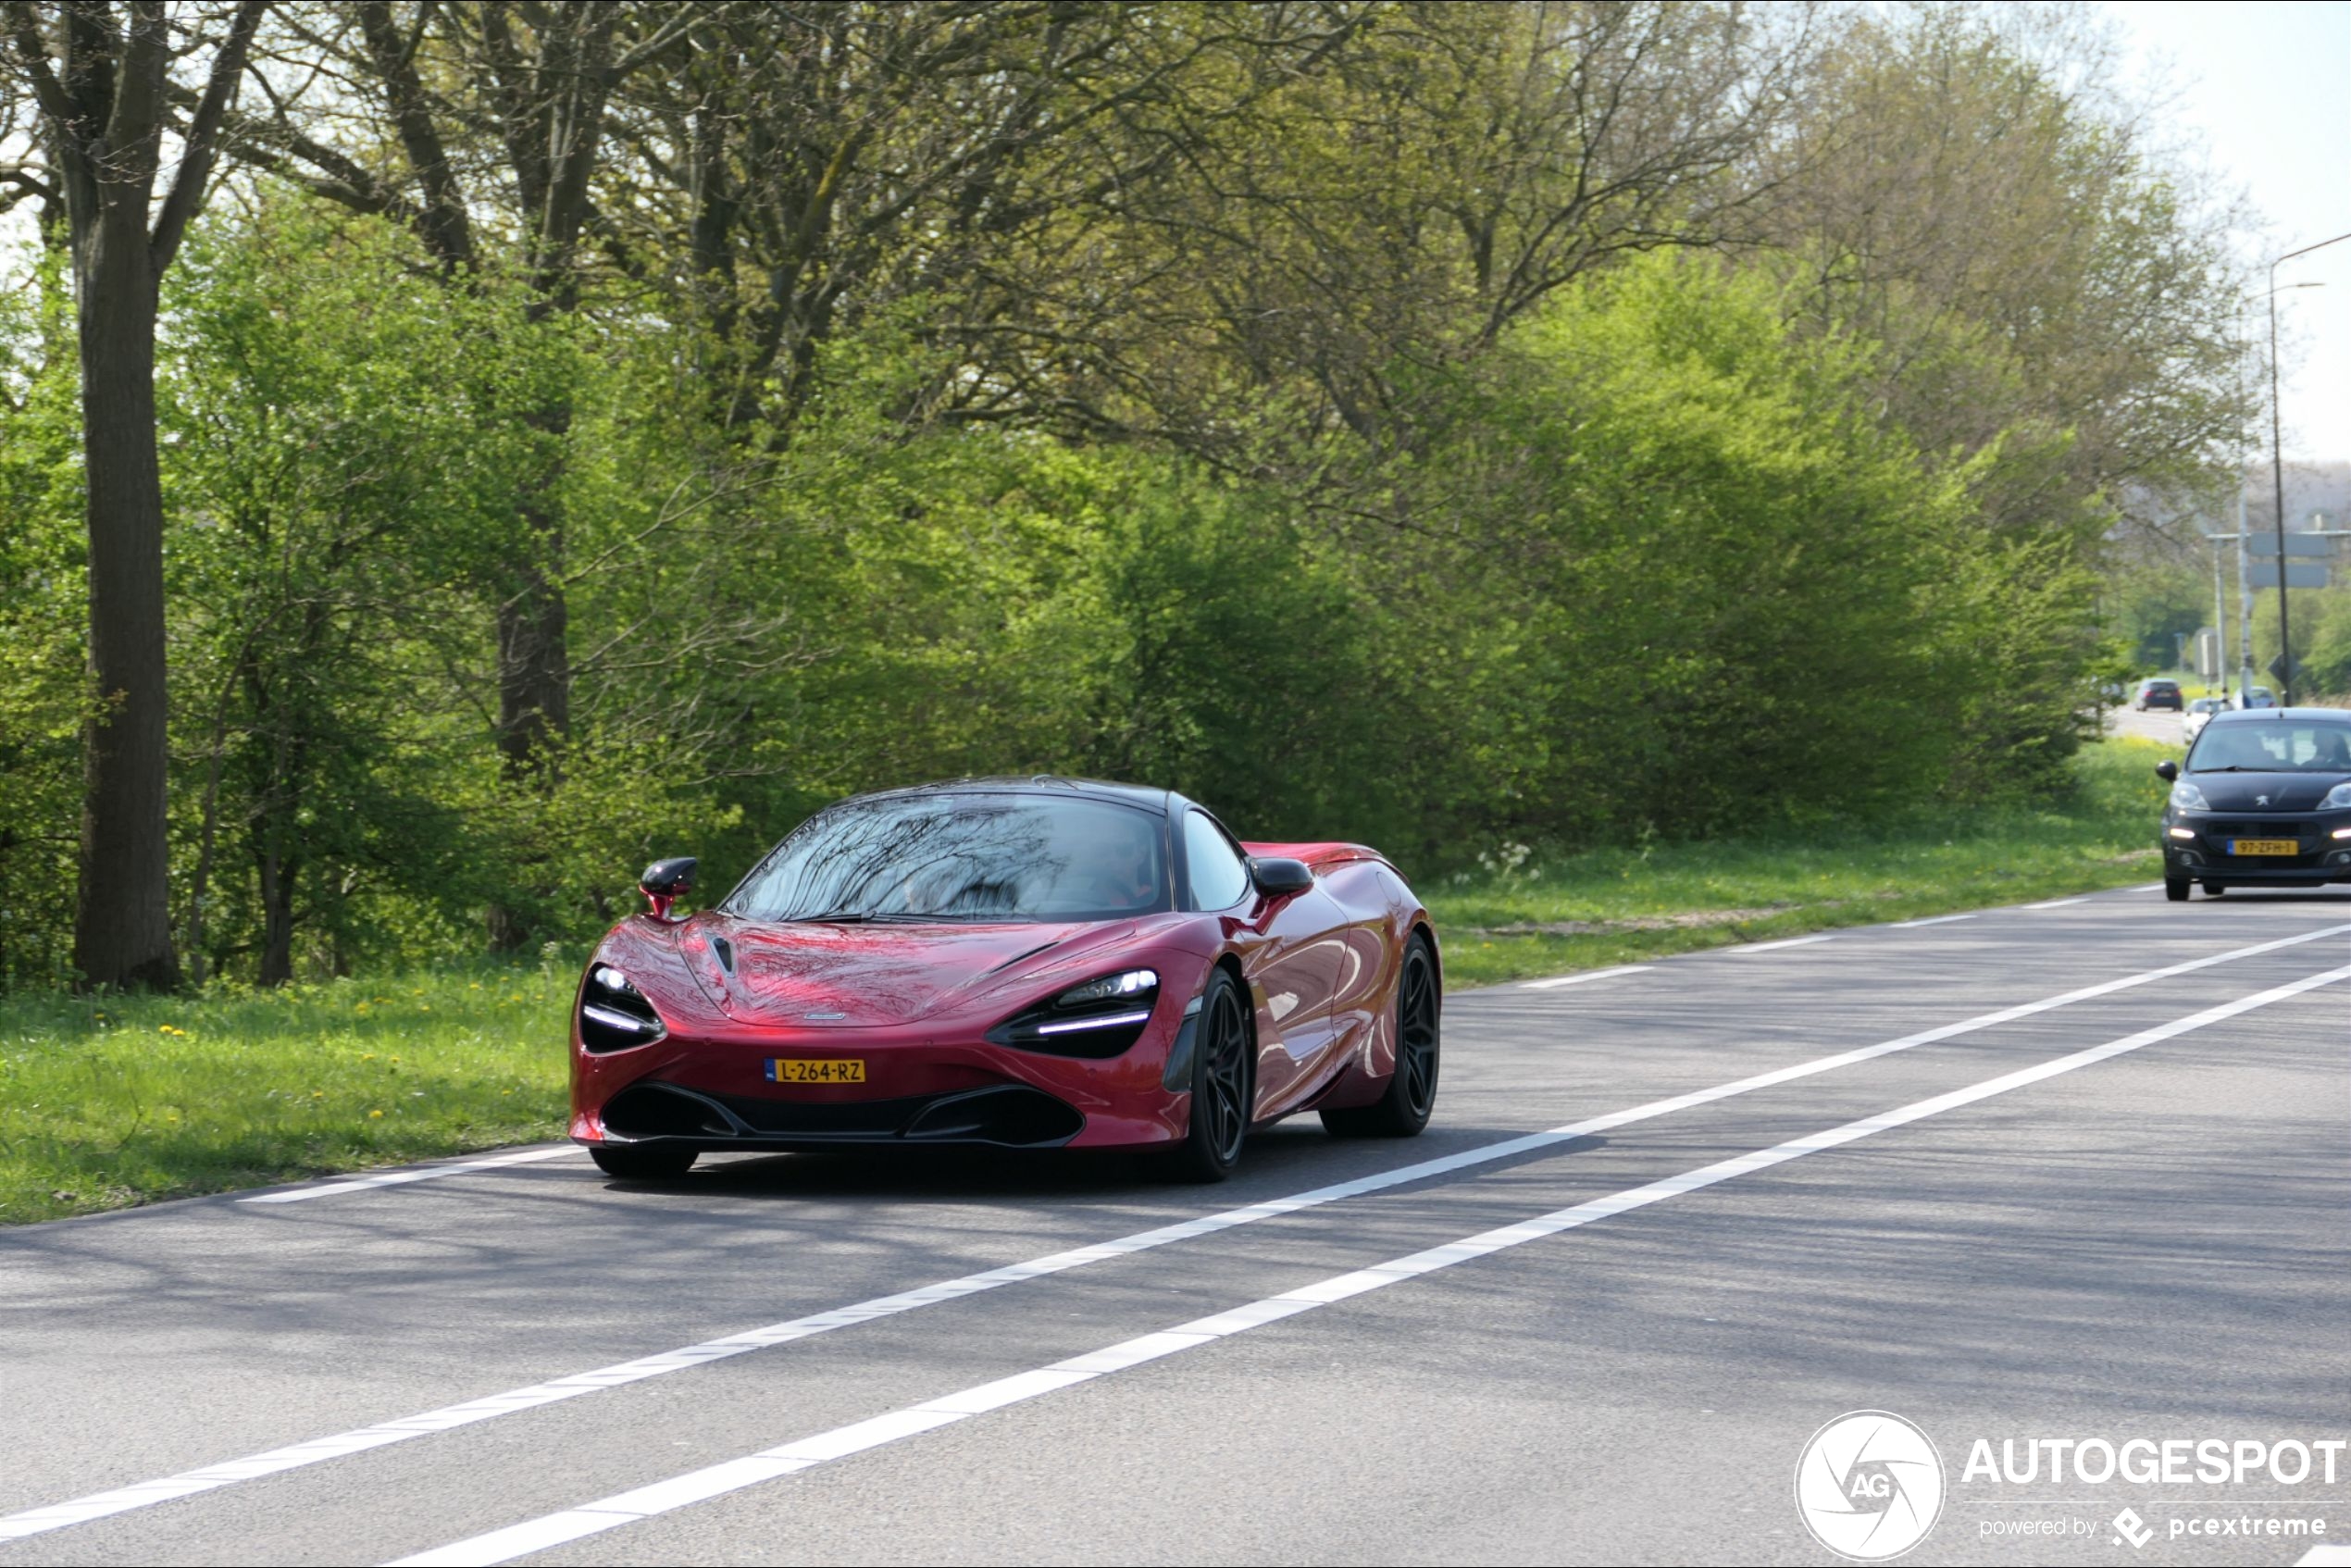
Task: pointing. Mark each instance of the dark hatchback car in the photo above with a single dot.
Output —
(2265, 801)
(2158, 694)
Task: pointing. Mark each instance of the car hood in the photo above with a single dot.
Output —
(2265, 791)
(813, 976)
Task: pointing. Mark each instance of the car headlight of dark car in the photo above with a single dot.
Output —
(1100, 1018)
(613, 1014)
(2188, 797)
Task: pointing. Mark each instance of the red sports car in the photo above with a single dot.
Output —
(1030, 963)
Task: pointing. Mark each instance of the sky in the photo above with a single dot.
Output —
(2265, 86)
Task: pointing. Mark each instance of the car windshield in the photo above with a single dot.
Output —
(2301, 746)
(974, 856)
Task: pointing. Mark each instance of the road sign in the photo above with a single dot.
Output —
(2298, 574)
(2293, 678)
(2207, 654)
(2264, 546)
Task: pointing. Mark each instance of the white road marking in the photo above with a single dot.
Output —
(1939, 920)
(1774, 947)
(698, 1485)
(2058, 903)
(100, 1505)
(1557, 981)
(2145, 887)
(422, 1172)
(2325, 1555)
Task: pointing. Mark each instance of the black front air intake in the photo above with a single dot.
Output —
(1011, 1115)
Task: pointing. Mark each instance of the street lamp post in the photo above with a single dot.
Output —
(2277, 471)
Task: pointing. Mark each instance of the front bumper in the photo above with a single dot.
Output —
(2205, 855)
(713, 1093)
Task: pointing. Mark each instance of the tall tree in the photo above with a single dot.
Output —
(102, 77)
(489, 102)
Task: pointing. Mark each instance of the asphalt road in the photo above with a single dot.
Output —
(2162, 725)
(2070, 1172)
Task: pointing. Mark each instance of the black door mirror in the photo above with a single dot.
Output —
(1275, 878)
(2167, 770)
(667, 881)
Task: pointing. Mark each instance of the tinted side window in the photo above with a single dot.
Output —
(1219, 877)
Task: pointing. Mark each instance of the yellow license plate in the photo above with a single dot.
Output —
(2265, 846)
(816, 1070)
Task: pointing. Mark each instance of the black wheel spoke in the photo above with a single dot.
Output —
(1417, 1042)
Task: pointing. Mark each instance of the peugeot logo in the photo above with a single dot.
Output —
(2260, 800)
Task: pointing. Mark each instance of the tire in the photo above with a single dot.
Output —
(1404, 1109)
(1224, 1084)
(2214, 889)
(658, 1162)
(2176, 889)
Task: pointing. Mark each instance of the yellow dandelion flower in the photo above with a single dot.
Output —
(374, 1113)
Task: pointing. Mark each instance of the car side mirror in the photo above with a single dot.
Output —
(2168, 770)
(1276, 877)
(667, 881)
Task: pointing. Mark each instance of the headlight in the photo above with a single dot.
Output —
(2188, 797)
(2338, 799)
(1110, 987)
(613, 1014)
(1098, 1019)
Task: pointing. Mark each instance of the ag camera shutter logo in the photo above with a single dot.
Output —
(1869, 1486)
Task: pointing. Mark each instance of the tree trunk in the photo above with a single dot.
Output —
(122, 924)
(278, 871)
(534, 664)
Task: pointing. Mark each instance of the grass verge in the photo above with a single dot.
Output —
(1602, 907)
(116, 1100)
(109, 1102)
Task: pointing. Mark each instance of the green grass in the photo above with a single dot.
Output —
(106, 1104)
(1551, 916)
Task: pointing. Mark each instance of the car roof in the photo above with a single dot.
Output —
(2271, 716)
(1047, 785)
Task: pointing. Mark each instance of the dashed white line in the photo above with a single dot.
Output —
(2145, 887)
(100, 1505)
(421, 1172)
(1774, 947)
(1936, 920)
(768, 1464)
(1559, 980)
(2057, 903)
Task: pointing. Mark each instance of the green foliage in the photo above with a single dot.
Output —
(44, 696)
(1266, 404)
(1627, 903)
